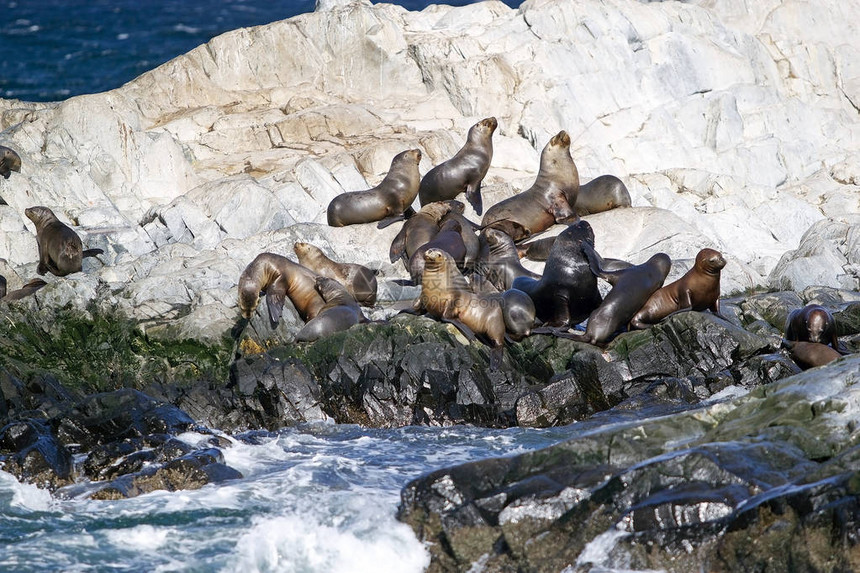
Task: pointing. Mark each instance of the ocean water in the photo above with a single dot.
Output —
(56, 49)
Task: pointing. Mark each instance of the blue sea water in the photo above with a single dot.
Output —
(55, 49)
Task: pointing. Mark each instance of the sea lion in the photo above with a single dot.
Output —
(567, 292)
(359, 280)
(26, 290)
(420, 228)
(518, 310)
(464, 172)
(60, 248)
(390, 198)
(449, 239)
(9, 161)
(631, 288)
(601, 194)
(812, 323)
(549, 200)
(445, 295)
(498, 262)
(339, 313)
(698, 289)
(279, 277)
(469, 233)
(810, 354)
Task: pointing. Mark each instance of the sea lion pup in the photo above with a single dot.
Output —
(498, 262)
(26, 290)
(631, 288)
(445, 295)
(810, 354)
(601, 194)
(390, 198)
(449, 239)
(698, 289)
(420, 228)
(549, 200)
(60, 248)
(464, 172)
(278, 277)
(812, 323)
(339, 313)
(567, 292)
(359, 280)
(9, 161)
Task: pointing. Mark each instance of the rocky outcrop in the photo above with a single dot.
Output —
(764, 480)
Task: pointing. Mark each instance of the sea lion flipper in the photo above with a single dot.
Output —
(276, 294)
(390, 221)
(398, 246)
(92, 253)
(467, 332)
(473, 196)
(598, 265)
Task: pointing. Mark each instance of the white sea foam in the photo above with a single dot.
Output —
(15, 494)
(140, 538)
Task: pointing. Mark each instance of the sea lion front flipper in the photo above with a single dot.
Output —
(467, 332)
(473, 196)
(398, 246)
(275, 297)
(390, 221)
(92, 253)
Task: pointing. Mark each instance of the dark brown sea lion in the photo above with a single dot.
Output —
(25, 290)
(698, 289)
(631, 288)
(339, 313)
(359, 280)
(390, 198)
(518, 310)
(279, 277)
(567, 292)
(9, 161)
(812, 323)
(810, 354)
(420, 228)
(498, 262)
(449, 239)
(60, 248)
(601, 194)
(464, 172)
(445, 295)
(549, 200)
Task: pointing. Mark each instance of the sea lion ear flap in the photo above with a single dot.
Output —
(275, 296)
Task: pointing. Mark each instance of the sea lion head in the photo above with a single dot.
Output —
(434, 259)
(408, 156)
(40, 215)
(662, 261)
(577, 233)
(484, 129)
(306, 250)
(249, 297)
(560, 139)
(331, 290)
(818, 320)
(710, 261)
(455, 206)
(9, 161)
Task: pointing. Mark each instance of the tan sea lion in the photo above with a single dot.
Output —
(812, 323)
(698, 289)
(60, 248)
(449, 239)
(359, 280)
(279, 277)
(464, 172)
(810, 354)
(631, 288)
(26, 290)
(601, 194)
(420, 228)
(9, 161)
(549, 200)
(390, 198)
(445, 295)
(339, 313)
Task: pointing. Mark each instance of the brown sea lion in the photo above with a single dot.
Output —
(601, 194)
(698, 289)
(279, 277)
(498, 262)
(449, 239)
(25, 290)
(631, 288)
(390, 198)
(464, 172)
(518, 310)
(420, 228)
(9, 161)
(810, 354)
(549, 200)
(567, 292)
(812, 323)
(359, 280)
(339, 313)
(445, 295)
(60, 248)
